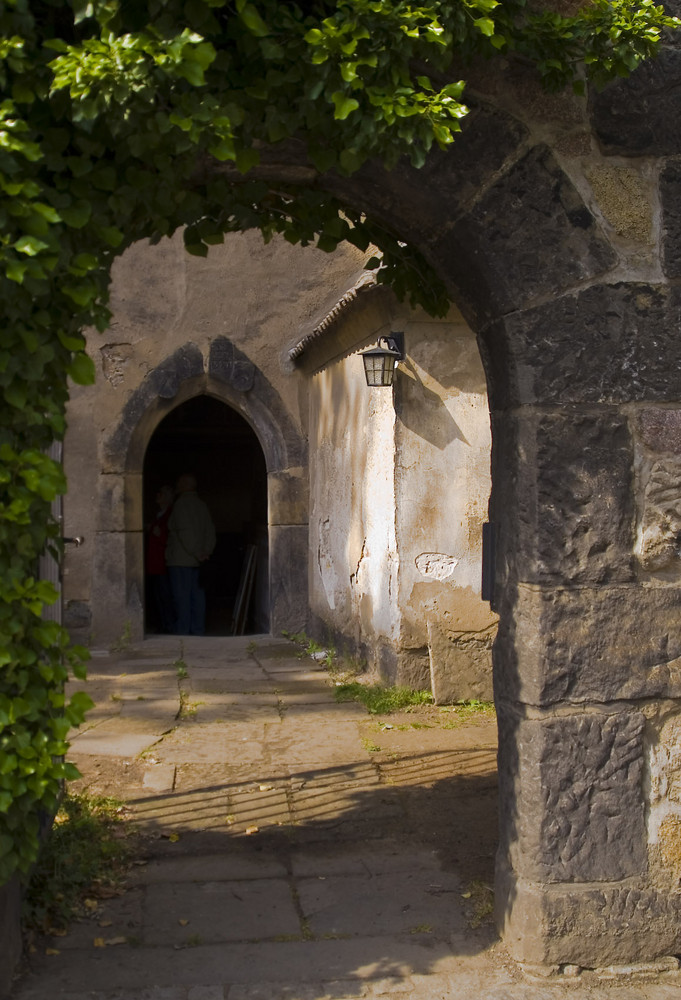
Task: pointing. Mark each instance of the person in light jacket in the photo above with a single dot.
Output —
(191, 539)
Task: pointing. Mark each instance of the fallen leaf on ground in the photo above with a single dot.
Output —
(57, 932)
(252, 829)
(105, 923)
(183, 923)
(98, 943)
(91, 904)
(173, 838)
(265, 788)
(115, 940)
(52, 951)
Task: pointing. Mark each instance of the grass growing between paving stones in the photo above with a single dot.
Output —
(83, 859)
(466, 711)
(381, 700)
(480, 909)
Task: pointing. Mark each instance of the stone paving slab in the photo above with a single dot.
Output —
(219, 912)
(287, 664)
(233, 671)
(359, 858)
(320, 711)
(117, 738)
(122, 916)
(126, 967)
(216, 708)
(230, 867)
(314, 696)
(437, 988)
(303, 741)
(226, 684)
(357, 904)
(238, 743)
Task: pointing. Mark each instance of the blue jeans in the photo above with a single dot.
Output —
(190, 600)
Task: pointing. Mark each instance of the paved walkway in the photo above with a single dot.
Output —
(289, 857)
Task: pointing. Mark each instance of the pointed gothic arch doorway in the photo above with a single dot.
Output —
(209, 439)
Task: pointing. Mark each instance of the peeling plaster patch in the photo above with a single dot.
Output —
(665, 786)
(435, 565)
(115, 359)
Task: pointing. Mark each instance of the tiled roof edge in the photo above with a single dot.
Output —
(365, 283)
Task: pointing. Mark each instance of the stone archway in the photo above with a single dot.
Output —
(118, 569)
(564, 261)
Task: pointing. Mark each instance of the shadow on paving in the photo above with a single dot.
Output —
(419, 799)
(339, 882)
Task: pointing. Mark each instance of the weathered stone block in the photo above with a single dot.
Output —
(460, 665)
(592, 644)
(489, 137)
(659, 546)
(412, 669)
(592, 927)
(77, 615)
(608, 343)
(288, 497)
(571, 788)
(231, 365)
(117, 587)
(563, 497)
(569, 246)
(163, 382)
(288, 577)
(111, 505)
(660, 429)
(670, 198)
(639, 115)
(625, 198)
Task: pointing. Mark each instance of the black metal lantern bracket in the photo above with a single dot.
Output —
(380, 362)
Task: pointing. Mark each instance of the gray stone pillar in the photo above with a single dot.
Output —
(588, 658)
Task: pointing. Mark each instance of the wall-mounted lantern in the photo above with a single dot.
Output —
(380, 362)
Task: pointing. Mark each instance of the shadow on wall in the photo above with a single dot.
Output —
(423, 412)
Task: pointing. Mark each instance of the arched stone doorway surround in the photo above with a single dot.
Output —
(556, 228)
(226, 375)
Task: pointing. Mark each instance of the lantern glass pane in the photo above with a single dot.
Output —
(378, 368)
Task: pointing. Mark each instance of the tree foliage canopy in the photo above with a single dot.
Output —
(109, 111)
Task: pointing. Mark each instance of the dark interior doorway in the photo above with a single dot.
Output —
(211, 440)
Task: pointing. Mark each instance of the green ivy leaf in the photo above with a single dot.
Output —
(344, 105)
(82, 369)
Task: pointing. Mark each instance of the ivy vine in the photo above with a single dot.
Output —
(108, 113)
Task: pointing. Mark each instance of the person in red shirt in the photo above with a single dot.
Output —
(159, 582)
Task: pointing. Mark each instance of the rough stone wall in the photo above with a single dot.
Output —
(184, 326)
(400, 485)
